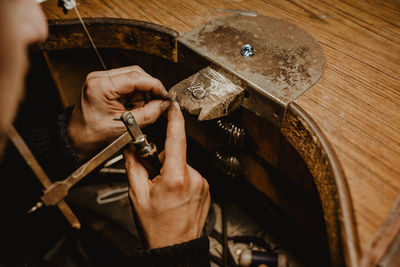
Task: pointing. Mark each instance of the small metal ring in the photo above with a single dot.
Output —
(199, 93)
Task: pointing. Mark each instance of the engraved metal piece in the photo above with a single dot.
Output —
(287, 62)
(247, 50)
(199, 93)
(208, 94)
(197, 89)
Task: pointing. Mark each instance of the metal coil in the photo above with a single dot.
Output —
(228, 164)
(231, 132)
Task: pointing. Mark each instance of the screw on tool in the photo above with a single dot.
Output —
(130, 120)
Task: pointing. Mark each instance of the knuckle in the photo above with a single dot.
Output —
(143, 118)
(197, 179)
(137, 68)
(93, 75)
(93, 83)
(134, 75)
(91, 93)
(157, 83)
(179, 183)
(206, 185)
(199, 182)
(147, 119)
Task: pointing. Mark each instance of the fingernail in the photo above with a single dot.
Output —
(165, 104)
(176, 105)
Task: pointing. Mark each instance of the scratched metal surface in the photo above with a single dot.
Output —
(286, 61)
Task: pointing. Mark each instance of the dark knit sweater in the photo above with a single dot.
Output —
(52, 148)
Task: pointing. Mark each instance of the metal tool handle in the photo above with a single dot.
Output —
(41, 175)
(148, 156)
(147, 152)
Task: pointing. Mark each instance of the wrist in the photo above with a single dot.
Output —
(77, 137)
(170, 238)
(192, 253)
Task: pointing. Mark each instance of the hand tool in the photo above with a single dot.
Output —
(208, 94)
(41, 175)
(147, 152)
(57, 191)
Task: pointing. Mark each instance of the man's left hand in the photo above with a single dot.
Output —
(92, 124)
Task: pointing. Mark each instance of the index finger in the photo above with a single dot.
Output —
(128, 82)
(125, 83)
(175, 143)
(116, 71)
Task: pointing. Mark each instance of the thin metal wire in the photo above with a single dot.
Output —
(94, 47)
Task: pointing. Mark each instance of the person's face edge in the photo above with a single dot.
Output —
(22, 23)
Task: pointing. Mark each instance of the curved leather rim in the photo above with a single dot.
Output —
(307, 138)
(113, 33)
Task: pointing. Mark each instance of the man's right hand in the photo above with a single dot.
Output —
(173, 207)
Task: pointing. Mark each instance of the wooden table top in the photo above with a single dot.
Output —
(357, 101)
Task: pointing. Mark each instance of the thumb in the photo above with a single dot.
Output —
(150, 112)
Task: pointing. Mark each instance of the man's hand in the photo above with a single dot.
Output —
(92, 124)
(173, 207)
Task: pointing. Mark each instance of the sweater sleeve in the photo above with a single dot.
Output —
(194, 253)
(53, 149)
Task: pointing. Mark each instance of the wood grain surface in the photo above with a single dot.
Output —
(356, 103)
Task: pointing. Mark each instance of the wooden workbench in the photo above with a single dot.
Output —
(356, 103)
